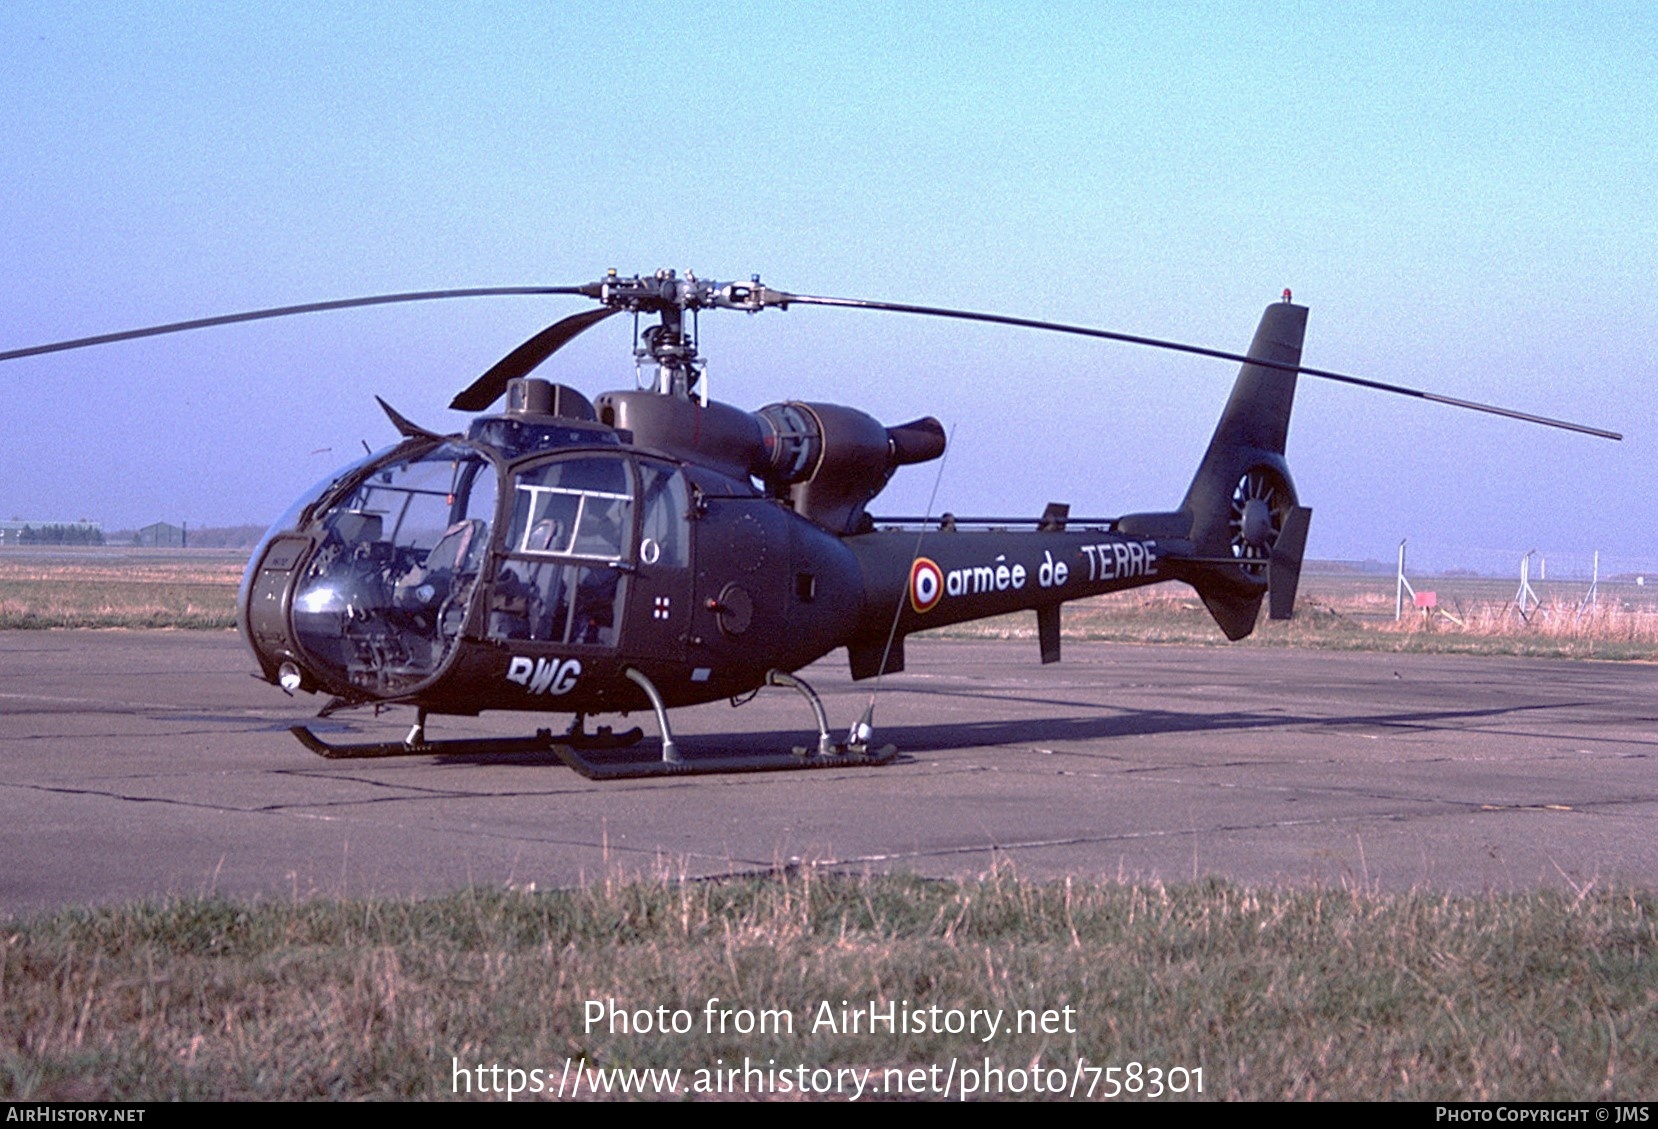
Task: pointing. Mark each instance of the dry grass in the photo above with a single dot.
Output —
(1310, 993)
(113, 589)
(1346, 613)
(1605, 627)
(197, 589)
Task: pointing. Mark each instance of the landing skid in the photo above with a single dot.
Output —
(635, 768)
(571, 747)
(543, 741)
(632, 768)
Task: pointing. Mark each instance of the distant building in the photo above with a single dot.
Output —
(160, 535)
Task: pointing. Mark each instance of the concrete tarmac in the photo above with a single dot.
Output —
(147, 764)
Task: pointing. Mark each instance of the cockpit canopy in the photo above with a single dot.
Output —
(396, 557)
(388, 565)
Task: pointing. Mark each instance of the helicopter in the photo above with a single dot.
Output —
(652, 548)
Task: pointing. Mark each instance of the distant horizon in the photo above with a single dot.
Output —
(1422, 558)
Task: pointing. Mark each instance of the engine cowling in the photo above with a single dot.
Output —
(827, 460)
(832, 460)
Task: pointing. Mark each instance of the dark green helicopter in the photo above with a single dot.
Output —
(653, 549)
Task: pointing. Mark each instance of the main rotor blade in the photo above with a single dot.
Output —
(1198, 350)
(286, 311)
(484, 391)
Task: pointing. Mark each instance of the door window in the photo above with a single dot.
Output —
(570, 541)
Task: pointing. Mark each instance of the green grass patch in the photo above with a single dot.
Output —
(1292, 993)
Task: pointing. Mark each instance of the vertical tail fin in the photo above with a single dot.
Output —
(1242, 499)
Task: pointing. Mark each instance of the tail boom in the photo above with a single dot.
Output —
(914, 583)
(1238, 535)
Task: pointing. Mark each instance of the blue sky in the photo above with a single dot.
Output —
(1463, 194)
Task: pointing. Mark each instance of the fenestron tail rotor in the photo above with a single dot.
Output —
(1260, 502)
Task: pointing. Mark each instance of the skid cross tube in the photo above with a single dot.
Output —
(670, 751)
(825, 743)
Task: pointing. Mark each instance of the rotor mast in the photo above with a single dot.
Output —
(668, 344)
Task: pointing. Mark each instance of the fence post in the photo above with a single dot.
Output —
(1400, 587)
(1525, 593)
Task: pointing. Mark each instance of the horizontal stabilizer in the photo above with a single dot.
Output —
(1175, 525)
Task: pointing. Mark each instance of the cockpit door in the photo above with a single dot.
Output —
(568, 547)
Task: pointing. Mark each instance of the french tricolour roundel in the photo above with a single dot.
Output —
(926, 584)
